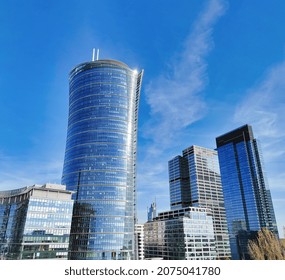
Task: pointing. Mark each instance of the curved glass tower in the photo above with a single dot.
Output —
(100, 159)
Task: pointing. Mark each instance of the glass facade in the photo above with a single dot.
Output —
(247, 198)
(35, 222)
(179, 187)
(151, 213)
(185, 234)
(100, 159)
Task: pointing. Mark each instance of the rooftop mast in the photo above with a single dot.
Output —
(93, 54)
(97, 56)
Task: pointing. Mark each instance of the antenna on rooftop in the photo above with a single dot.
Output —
(93, 54)
(97, 56)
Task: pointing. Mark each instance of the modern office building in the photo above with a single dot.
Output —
(151, 212)
(100, 159)
(247, 197)
(179, 184)
(272, 223)
(139, 241)
(195, 180)
(182, 234)
(35, 222)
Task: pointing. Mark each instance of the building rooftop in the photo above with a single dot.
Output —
(243, 133)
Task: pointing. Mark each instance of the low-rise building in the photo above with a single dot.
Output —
(182, 234)
(35, 222)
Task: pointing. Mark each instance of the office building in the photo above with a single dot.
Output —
(272, 223)
(151, 212)
(247, 197)
(139, 239)
(100, 159)
(35, 222)
(179, 184)
(182, 234)
(195, 180)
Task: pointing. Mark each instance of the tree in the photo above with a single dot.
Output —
(266, 247)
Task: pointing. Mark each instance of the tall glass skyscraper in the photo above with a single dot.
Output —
(247, 198)
(195, 180)
(100, 159)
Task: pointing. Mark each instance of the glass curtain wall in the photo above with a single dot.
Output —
(247, 197)
(100, 159)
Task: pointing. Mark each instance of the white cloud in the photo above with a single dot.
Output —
(264, 105)
(176, 99)
(17, 173)
(263, 108)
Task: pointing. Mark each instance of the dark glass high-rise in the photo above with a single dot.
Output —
(100, 159)
(247, 197)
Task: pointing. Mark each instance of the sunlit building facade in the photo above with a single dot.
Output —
(35, 222)
(100, 159)
(195, 180)
(139, 241)
(248, 201)
(182, 234)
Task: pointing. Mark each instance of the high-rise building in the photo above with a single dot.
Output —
(247, 198)
(195, 180)
(151, 213)
(179, 185)
(100, 159)
(181, 234)
(35, 222)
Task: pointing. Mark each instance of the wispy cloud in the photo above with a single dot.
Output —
(264, 104)
(176, 101)
(263, 108)
(175, 97)
(17, 173)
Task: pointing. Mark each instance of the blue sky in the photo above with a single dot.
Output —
(210, 66)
